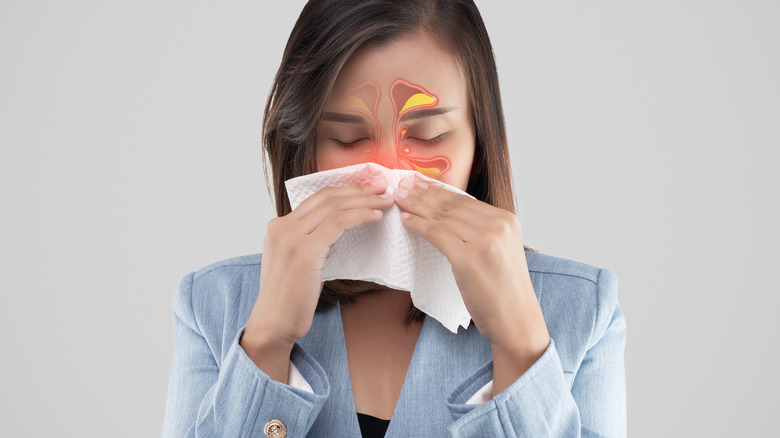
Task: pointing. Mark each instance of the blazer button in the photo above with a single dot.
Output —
(275, 429)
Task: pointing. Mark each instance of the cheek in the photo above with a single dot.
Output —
(333, 157)
(459, 154)
(461, 159)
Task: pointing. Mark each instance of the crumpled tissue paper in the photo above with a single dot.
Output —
(385, 252)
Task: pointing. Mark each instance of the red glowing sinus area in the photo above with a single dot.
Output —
(406, 97)
(414, 97)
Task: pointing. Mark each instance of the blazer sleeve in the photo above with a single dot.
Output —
(541, 403)
(232, 397)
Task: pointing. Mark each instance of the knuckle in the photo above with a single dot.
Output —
(415, 200)
(275, 231)
(492, 246)
(282, 237)
(511, 219)
(441, 215)
(493, 231)
(452, 202)
(326, 191)
(274, 226)
(334, 202)
(435, 229)
(504, 228)
(517, 226)
(338, 219)
(502, 225)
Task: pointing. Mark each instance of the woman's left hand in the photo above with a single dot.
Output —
(485, 248)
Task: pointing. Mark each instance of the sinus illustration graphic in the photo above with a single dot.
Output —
(406, 98)
(364, 101)
(410, 153)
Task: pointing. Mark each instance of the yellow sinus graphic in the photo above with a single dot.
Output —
(418, 100)
(411, 97)
(431, 172)
(408, 153)
(355, 103)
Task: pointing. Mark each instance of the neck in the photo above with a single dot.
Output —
(380, 306)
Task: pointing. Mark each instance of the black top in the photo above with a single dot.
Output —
(372, 427)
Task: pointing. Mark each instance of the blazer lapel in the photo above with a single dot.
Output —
(441, 361)
(325, 342)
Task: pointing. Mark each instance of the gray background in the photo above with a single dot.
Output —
(644, 138)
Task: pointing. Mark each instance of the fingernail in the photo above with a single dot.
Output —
(407, 184)
(386, 196)
(422, 183)
(401, 193)
(378, 213)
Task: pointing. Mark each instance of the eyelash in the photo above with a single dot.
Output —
(433, 140)
(352, 144)
(349, 145)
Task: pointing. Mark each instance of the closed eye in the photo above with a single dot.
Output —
(433, 140)
(348, 144)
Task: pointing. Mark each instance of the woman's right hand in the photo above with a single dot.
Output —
(294, 253)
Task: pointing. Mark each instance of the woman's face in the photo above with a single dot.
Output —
(405, 106)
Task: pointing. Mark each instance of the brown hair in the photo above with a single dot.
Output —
(326, 34)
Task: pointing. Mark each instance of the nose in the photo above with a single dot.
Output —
(387, 154)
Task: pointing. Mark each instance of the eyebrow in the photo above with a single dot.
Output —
(422, 113)
(343, 118)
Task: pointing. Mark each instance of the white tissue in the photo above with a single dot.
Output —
(385, 252)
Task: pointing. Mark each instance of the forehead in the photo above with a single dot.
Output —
(418, 58)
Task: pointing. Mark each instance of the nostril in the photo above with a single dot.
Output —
(388, 157)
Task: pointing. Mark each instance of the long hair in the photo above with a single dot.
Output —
(326, 34)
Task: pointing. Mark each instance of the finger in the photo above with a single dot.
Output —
(440, 236)
(465, 231)
(329, 231)
(432, 202)
(375, 187)
(336, 205)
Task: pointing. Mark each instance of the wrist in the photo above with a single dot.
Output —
(270, 353)
(258, 339)
(523, 340)
(519, 324)
(512, 359)
(520, 352)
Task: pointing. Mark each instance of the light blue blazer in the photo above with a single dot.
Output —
(577, 387)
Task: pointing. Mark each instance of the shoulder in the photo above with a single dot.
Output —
(227, 276)
(219, 279)
(229, 266)
(216, 299)
(547, 264)
(572, 277)
(578, 301)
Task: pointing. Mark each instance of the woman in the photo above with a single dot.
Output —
(265, 347)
